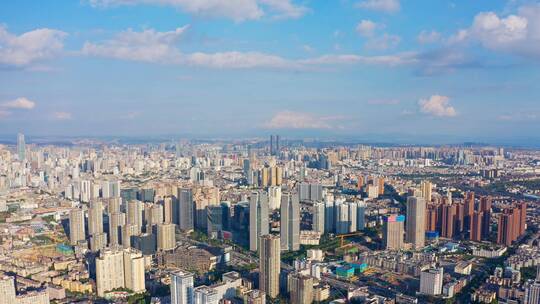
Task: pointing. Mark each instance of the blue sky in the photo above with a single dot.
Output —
(387, 69)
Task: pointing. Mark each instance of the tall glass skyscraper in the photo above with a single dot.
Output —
(21, 146)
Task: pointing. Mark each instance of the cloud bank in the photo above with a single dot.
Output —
(438, 106)
(29, 48)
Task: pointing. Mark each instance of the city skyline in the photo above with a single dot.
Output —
(206, 222)
(464, 71)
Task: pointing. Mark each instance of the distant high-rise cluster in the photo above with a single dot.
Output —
(298, 224)
(453, 217)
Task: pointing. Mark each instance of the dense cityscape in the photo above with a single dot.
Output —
(268, 221)
(270, 151)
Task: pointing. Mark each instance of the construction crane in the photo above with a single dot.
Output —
(343, 236)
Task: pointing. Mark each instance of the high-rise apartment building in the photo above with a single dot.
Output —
(76, 226)
(181, 288)
(95, 218)
(485, 208)
(109, 271)
(135, 214)
(168, 216)
(431, 281)
(113, 205)
(512, 223)
(274, 197)
(166, 236)
(341, 211)
(300, 288)
(98, 241)
(119, 269)
(318, 217)
(214, 221)
(468, 212)
(416, 213)
(128, 230)
(448, 215)
(361, 215)
(432, 217)
(270, 264)
(258, 218)
(352, 218)
(116, 221)
(7, 290)
(532, 293)
(425, 189)
(290, 222)
(205, 295)
(380, 185)
(310, 192)
(475, 233)
(393, 232)
(134, 271)
(275, 176)
(329, 217)
(8, 295)
(153, 215)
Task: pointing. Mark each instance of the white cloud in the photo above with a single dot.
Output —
(62, 115)
(426, 37)
(30, 47)
(301, 120)
(148, 45)
(437, 105)
(161, 47)
(366, 28)
(387, 6)
(384, 42)
(386, 60)
(285, 8)
(517, 34)
(19, 103)
(444, 60)
(237, 10)
(165, 48)
(238, 60)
